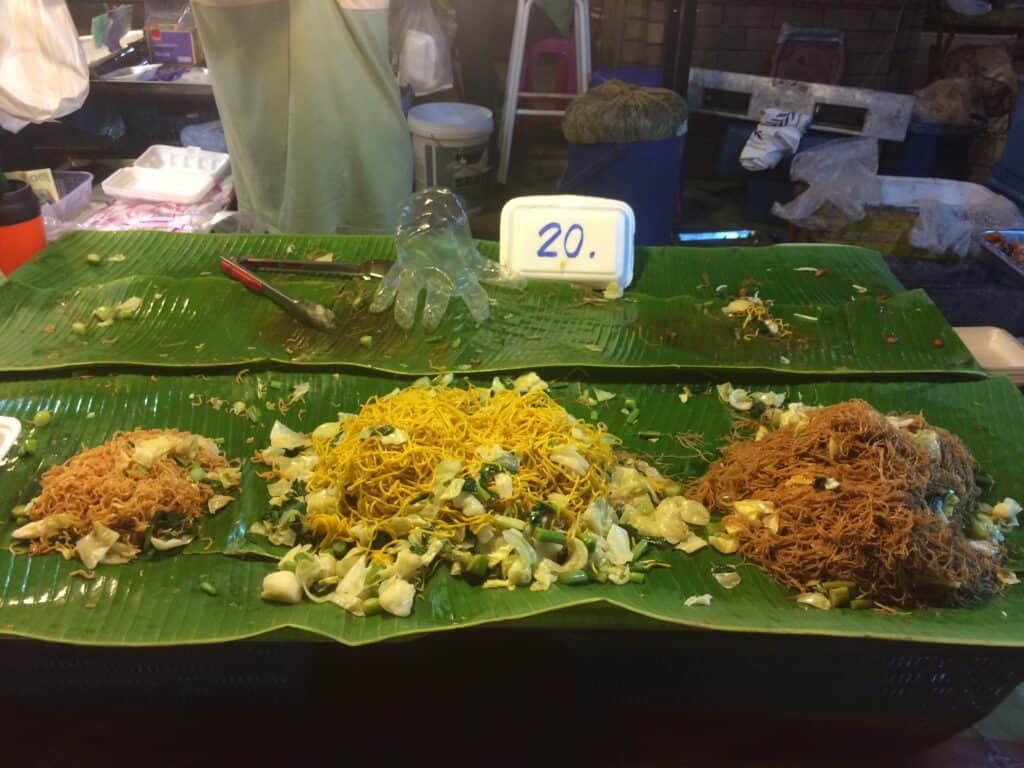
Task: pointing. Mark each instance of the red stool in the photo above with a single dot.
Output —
(563, 50)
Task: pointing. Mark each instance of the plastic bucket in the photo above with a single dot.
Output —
(1007, 176)
(451, 149)
(645, 174)
(930, 150)
(648, 77)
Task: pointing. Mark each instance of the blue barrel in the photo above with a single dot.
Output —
(648, 77)
(645, 174)
(930, 150)
(1007, 176)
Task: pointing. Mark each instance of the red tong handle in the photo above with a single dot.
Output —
(242, 275)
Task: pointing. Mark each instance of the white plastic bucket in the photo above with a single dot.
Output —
(450, 146)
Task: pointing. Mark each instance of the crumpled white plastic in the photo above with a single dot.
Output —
(777, 135)
(44, 73)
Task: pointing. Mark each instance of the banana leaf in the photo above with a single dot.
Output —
(159, 601)
(662, 272)
(203, 322)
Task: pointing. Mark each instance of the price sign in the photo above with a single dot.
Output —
(570, 238)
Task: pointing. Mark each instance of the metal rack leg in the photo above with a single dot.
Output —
(582, 32)
(515, 68)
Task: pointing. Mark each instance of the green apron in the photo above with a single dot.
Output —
(560, 12)
(311, 111)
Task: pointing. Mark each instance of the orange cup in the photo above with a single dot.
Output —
(21, 226)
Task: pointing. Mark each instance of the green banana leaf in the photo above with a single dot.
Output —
(662, 272)
(159, 601)
(210, 321)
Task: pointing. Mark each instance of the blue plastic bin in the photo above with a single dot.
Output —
(1007, 175)
(644, 174)
(647, 77)
(930, 150)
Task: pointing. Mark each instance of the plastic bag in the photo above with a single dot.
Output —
(43, 70)
(943, 227)
(421, 45)
(946, 102)
(777, 135)
(842, 177)
(993, 79)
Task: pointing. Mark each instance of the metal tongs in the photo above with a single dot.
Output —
(308, 312)
(371, 268)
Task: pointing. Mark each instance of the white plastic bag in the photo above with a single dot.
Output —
(944, 227)
(776, 136)
(424, 58)
(842, 177)
(43, 70)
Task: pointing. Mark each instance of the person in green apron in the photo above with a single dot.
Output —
(311, 111)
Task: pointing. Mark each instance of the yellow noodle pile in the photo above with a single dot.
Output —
(379, 483)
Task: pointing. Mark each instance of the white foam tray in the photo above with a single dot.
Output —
(9, 431)
(158, 185)
(996, 350)
(194, 159)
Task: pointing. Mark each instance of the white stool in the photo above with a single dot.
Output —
(581, 29)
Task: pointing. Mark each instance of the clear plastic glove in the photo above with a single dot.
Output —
(436, 254)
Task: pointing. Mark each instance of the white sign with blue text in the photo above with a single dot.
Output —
(570, 238)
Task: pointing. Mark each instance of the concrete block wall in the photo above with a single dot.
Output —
(740, 35)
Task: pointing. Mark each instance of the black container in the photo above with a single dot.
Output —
(18, 204)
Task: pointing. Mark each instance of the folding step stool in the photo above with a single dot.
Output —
(581, 29)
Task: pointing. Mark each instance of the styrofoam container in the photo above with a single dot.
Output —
(165, 157)
(569, 238)
(158, 185)
(911, 191)
(9, 430)
(996, 350)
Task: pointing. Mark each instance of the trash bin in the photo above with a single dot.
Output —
(644, 174)
(930, 150)
(626, 143)
(450, 145)
(1007, 175)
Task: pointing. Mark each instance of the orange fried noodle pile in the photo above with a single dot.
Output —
(103, 485)
(876, 528)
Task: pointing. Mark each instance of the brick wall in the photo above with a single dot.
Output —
(740, 35)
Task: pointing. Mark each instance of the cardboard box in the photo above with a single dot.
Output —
(172, 43)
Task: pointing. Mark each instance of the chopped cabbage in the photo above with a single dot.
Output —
(599, 517)
(93, 547)
(396, 596)
(217, 502)
(45, 527)
(285, 438)
(282, 587)
(569, 457)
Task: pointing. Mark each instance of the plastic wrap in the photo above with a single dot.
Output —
(436, 255)
(43, 70)
(944, 227)
(841, 178)
(423, 50)
(166, 217)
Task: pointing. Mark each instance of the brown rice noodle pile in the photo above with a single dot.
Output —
(103, 485)
(876, 528)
